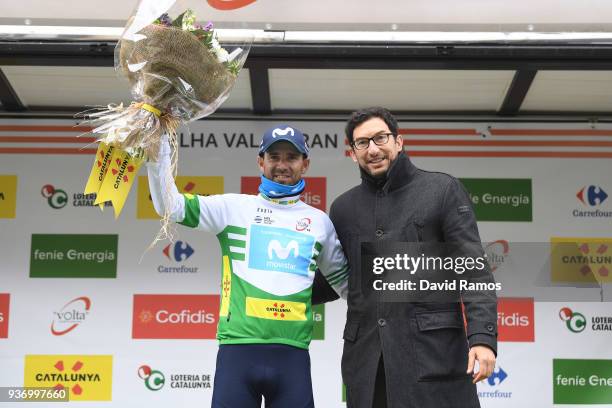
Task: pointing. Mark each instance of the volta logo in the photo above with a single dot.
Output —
(496, 253)
(275, 248)
(70, 316)
(8, 196)
(178, 251)
(280, 250)
(56, 198)
(229, 4)
(4, 314)
(154, 380)
(175, 316)
(278, 132)
(575, 322)
(497, 377)
(88, 377)
(592, 195)
(515, 319)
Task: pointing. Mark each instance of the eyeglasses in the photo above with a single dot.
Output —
(379, 140)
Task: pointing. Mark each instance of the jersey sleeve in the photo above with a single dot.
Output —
(332, 262)
(207, 213)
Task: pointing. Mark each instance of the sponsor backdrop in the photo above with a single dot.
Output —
(86, 304)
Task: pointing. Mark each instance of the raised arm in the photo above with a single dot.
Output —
(166, 197)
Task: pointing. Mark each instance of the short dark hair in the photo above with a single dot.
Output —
(362, 115)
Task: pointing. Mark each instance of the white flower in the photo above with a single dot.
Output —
(215, 45)
(222, 55)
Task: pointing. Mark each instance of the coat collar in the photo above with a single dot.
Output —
(399, 174)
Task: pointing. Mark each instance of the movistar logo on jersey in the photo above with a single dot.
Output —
(276, 249)
(280, 250)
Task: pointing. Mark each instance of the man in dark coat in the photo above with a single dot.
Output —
(407, 354)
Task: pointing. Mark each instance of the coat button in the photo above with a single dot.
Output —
(382, 322)
(490, 327)
(379, 233)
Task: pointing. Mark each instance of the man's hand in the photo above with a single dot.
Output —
(486, 362)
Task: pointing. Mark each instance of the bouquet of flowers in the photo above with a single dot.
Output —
(178, 72)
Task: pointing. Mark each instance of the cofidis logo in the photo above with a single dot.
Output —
(515, 319)
(5, 299)
(196, 185)
(175, 316)
(73, 256)
(87, 377)
(314, 195)
(8, 196)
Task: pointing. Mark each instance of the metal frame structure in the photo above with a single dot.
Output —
(525, 59)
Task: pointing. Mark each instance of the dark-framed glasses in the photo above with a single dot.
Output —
(364, 142)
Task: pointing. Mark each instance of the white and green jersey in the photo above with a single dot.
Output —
(270, 250)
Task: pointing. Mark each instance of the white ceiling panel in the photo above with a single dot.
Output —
(418, 90)
(570, 91)
(90, 86)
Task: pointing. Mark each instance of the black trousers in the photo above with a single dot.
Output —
(380, 386)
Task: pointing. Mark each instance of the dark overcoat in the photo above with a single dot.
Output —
(424, 345)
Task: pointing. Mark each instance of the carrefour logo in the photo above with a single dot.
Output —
(280, 250)
(592, 195)
(497, 377)
(178, 251)
(495, 380)
(575, 322)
